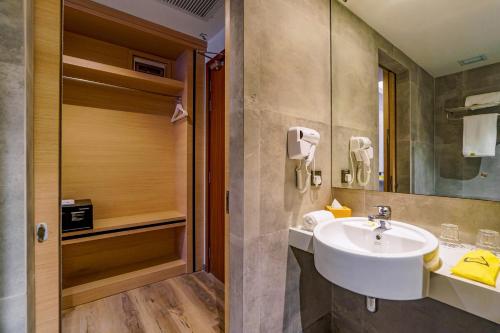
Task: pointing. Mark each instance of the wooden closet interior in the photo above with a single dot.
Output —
(120, 149)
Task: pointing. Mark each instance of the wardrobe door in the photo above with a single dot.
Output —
(46, 156)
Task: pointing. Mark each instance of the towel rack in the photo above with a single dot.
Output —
(472, 110)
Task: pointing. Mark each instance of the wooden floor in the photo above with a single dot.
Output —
(189, 303)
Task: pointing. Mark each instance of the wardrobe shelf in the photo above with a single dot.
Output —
(91, 291)
(126, 225)
(88, 70)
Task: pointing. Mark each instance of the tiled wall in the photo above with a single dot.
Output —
(282, 61)
(428, 212)
(13, 144)
(279, 67)
(349, 315)
(357, 51)
(456, 175)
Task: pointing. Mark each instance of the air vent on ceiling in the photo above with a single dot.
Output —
(199, 8)
(473, 60)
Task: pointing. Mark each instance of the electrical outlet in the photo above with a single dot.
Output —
(345, 176)
(316, 179)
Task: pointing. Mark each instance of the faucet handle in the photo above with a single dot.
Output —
(384, 210)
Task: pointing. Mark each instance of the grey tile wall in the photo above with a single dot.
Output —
(354, 57)
(280, 77)
(455, 175)
(427, 211)
(307, 293)
(13, 169)
(237, 290)
(426, 315)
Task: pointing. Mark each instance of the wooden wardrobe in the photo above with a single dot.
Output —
(120, 149)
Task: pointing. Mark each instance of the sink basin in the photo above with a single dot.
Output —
(396, 267)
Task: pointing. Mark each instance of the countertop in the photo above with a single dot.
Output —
(473, 297)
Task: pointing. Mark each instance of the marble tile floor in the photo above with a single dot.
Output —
(188, 303)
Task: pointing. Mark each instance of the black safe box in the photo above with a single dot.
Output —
(77, 216)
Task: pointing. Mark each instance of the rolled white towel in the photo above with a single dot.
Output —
(310, 220)
(485, 100)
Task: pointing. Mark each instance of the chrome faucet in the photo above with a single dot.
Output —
(382, 219)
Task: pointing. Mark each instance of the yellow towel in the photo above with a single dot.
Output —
(478, 265)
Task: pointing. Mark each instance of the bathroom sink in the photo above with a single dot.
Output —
(348, 253)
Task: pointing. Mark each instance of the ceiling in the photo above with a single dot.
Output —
(176, 14)
(436, 34)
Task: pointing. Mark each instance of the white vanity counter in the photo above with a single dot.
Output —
(470, 296)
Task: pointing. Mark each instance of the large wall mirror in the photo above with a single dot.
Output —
(416, 96)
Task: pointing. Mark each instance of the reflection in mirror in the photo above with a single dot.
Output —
(415, 106)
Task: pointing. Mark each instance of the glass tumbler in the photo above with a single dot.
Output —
(488, 240)
(450, 234)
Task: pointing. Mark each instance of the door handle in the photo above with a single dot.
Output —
(42, 232)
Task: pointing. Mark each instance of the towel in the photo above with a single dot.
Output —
(314, 218)
(483, 100)
(478, 265)
(480, 135)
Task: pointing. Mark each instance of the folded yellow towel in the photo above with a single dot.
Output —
(478, 265)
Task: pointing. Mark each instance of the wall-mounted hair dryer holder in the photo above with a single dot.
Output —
(302, 142)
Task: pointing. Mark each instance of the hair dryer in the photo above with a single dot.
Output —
(361, 148)
(302, 142)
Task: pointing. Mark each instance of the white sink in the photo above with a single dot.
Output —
(396, 267)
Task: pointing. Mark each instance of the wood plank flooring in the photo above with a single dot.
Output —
(188, 303)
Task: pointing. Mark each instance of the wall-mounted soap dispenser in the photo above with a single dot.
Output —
(302, 142)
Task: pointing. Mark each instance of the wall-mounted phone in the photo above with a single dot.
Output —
(360, 154)
(302, 142)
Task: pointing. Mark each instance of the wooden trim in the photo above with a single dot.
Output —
(227, 53)
(199, 168)
(46, 161)
(120, 77)
(183, 71)
(95, 290)
(387, 169)
(207, 168)
(389, 131)
(392, 131)
(119, 17)
(218, 57)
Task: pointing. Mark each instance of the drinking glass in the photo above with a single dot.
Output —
(450, 234)
(488, 240)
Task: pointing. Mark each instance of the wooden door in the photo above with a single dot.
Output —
(390, 131)
(216, 197)
(46, 156)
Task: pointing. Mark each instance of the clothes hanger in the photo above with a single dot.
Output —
(179, 112)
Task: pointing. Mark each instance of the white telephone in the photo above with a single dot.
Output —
(302, 142)
(360, 148)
